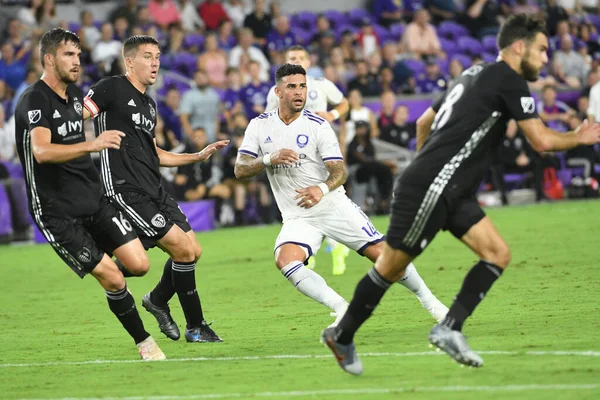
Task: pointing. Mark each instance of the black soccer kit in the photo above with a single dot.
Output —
(66, 200)
(131, 175)
(437, 190)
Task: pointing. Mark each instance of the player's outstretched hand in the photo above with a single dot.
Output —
(589, 134)
(309, 197)
(211, 149)
(108, 140)
(284, 156)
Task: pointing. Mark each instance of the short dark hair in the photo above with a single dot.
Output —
(52, 40)
(520, 27)
(296, 47)
(287, 70)
(134, 42)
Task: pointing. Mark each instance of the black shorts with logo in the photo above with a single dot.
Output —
(151, 218)
(82, 242)
(418, 215)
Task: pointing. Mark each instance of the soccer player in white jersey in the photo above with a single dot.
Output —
(306, 171)
(321, 93)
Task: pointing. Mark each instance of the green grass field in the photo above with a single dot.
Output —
(538, 329)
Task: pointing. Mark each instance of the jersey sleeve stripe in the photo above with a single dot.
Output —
(248, 152)
(91, 106)
(333, 158)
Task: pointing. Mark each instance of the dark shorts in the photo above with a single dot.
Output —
(151, 218)
(418, 215)
(82, 242)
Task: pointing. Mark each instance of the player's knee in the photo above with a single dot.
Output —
(139, 266)
(500, 256)
(111, 279)
(286, 255)
(197, 251)
(185, 252)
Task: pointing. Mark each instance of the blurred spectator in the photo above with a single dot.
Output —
(583, 103)
(420, 37)
(30, 15)
(166, 140)
(569, 66)
(554, 14)
(121, 26)
(237, 10)
(164, 12)
(362, 161)
(364, 82)
(593, 111)
(387, 12)
(582, 156)
(442, 10)
(281, 37)
(246, 39)
(336, 61)
(237, 186)
(515, 155)
(12, 71)
(400, 131)
(386, 80)
(174, 43)
(259, 22)
(212, 13)
(128, 10)
(323, 26)
(31, 77)
(357, 112)
(190, 20)
(213, 61)
(433, 80)
(585, 35)
(391, 59)
(554, 113)
(572, 7)
(254, 94)
(16, 37)
(89, 35)
(323, 49)
(455, 68)
(7, 138)
(225, 35)
(144, 23)
(107, 53)
(367, 39)
(5, 98)
(231, 101)
(525, 7)
(482, 17)
(388, 106)
(169, 111)
(200, 108)
(562, 29)
(201, 180)
(348, 47)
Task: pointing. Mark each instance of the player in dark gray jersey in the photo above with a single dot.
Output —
(437, 191)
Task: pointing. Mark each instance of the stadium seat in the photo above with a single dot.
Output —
(74, 26)
(417, 66)
(452, 30)
(489, 44)
(185, 63)
(465, 60)
(303, 36)
(382, 33)
(6, 227)
(336, 18)
(193, 40)
(306, 19)
(358, 15)
(449, 46)
(489, 57)
(396, 31)
(469, 45)
(443, 63)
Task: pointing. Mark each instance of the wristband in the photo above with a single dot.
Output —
(267, 160)
(335, 113)
(324, 188)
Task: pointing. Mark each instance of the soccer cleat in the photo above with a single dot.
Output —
(438, 310)
(312, 263)
(344, 354)
(163, 316)
(203, 334)
(455, 345)
(150, 351)
(339, 254)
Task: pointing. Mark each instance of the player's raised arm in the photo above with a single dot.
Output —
(168, 159)
(543, 138)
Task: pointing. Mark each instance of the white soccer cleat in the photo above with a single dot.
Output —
(150, 351)
(438, 310)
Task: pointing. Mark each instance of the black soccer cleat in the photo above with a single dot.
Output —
(202, 334)
(163, 316)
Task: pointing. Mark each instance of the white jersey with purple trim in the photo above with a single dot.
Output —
(320, 92)
(315, 142)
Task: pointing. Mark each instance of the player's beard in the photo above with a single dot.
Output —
(66, 76)
(530, 73)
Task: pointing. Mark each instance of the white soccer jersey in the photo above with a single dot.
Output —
(315, 142)
(319, 93)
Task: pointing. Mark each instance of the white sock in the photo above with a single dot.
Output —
(331, 243)
(413, 282)
(311, 284)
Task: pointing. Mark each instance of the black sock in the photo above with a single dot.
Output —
(239, 217)
(123, 270)
(164, 290)
(184, 282)
(121, 303)
(367, 296)
(476, 284)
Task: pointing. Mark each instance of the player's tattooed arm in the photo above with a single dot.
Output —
(337, 174)
(247, 166)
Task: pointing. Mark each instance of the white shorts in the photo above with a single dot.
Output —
(346, 224)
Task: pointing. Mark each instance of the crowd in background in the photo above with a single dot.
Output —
(218, 60)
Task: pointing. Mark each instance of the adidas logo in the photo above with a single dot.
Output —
(268, 140)
(131, 103)
(56, 114)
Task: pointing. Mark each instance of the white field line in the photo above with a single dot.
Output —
(586, 353)
(350, 392)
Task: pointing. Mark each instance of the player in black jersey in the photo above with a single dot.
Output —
(132, 181)
(437, 191)
(66, 199)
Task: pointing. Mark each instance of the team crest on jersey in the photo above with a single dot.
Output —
(78, 107)
(528, 104)
(302, 140)
(34, 116)
(84, 255)
(152, 112)
(312, 94)
(159, 221)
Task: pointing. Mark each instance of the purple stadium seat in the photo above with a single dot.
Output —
(185, 63)
(336, 18)
(382, 33)
(443, 63)
(417, 66)
(489, 57)
(489, 44)
(396, 31)
(452, 30)
(74, 26)
(449, 46)
(306, 19)
(469, 45)
(6, 227)
(303, 36)
(358, 15)
(412, 144)
(465, 60)
(594, 19)
(193, 40)
(515, 181)
(14, 169)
